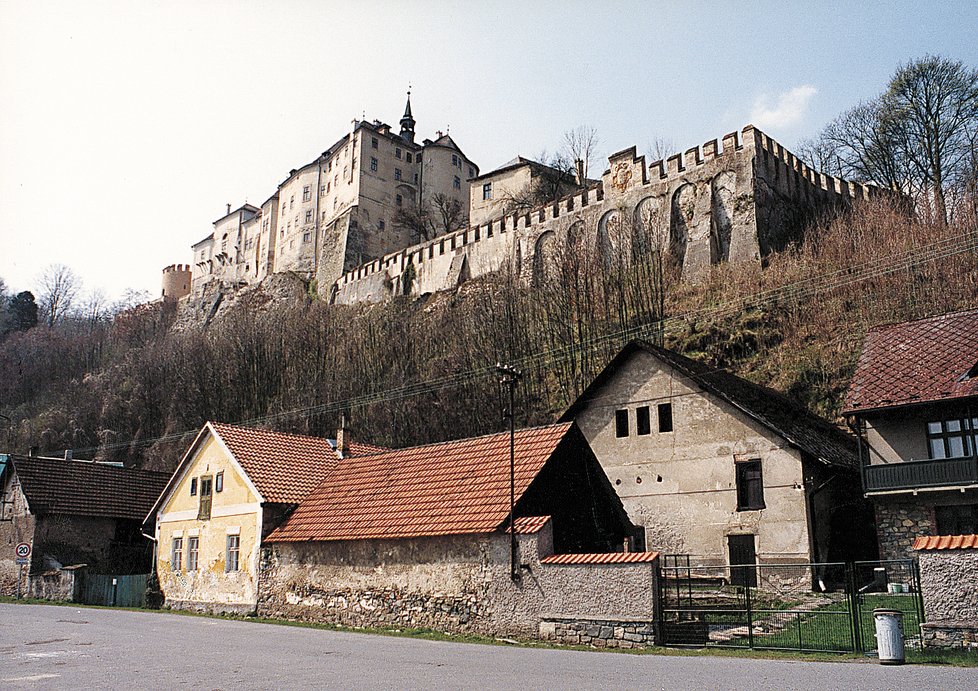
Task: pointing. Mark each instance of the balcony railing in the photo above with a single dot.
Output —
(946, 472)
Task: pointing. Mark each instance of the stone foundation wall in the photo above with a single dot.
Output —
(949, 584)
(599, 633)
(898, 523)
(950, 635)
(61, 585)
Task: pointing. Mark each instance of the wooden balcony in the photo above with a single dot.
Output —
(911, 475)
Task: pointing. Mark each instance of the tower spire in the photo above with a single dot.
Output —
(407, 121)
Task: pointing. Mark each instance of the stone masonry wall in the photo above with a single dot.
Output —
(599, 633)
(898, 523)
(459, 584)
(949, 584)
(706, 206)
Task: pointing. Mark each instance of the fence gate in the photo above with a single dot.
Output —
(824, 607)
(114, 591)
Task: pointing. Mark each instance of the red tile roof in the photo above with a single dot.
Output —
(527, 525)
(451, 488)
(83, 488)
(916, 362)
(934, 542)
(607, 558)
(284, 467)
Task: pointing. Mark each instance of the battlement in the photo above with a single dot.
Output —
(177, 268)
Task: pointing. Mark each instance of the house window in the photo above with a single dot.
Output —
(750, 486)
(219, 482)
(373, 142)
(399, 200)
(373, 164)
(306, 193)
(397, 153)
(233, 552)
(487, 191)
(397, 173)
(621, 423)
(409, 157)
(643, 421)
(960, 519)
(204, 510)
(193, 549)
(176, 554)
(309, 217)
(665, 417)
(457, 183)
(193, 487)
(952, 438)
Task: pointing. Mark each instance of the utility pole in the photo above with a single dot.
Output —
(509, 377)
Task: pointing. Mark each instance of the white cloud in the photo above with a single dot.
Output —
(789, 109)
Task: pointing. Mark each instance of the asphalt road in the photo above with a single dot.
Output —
(65, 647)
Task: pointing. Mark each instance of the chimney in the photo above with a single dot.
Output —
(343, 438)
(68, 454)
(579, 170)
(229, 208)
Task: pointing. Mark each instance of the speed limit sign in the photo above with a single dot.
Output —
(23, 550)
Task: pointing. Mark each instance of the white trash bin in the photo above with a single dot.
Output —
(889, 636)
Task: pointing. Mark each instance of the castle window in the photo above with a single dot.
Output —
(399, 200)
(373, 142)
(291, 201)
(327, 187)
(346, 171)
(487, 191)
(455, 161)
(373, 164)
(409, 157)
(665, 417)
(309, 216)
(415, 178)
(306, 193)
(397, 173)
(471, 172)
(322, 190)
(381, 224)
(457, 183)
(306, 236)
(397, 153)
(621, 423)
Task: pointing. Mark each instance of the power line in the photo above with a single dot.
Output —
(795, 292)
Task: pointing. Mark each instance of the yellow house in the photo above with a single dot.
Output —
(233, 487)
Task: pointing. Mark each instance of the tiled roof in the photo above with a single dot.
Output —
(606, 558)
(527, 525)
(83, 488)
(783, 416)
(934, 542)
(451, 488)
(917, 362)
(284, 467)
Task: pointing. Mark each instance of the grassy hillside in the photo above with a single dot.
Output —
(418, 370)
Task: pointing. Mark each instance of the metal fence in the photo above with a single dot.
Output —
(824, 607)
(114, 591)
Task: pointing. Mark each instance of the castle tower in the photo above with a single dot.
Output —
(407, 121)
(176, 282)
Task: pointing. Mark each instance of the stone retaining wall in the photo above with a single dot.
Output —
(599, 633)
(938, 634)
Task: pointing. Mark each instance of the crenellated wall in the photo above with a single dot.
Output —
(736, 199)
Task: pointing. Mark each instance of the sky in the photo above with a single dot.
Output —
(125, 127)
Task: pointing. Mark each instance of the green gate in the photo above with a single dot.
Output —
(114, 591)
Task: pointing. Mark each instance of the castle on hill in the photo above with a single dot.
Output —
(378, 214)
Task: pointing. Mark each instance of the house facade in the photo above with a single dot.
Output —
(233, 486)
(914, 401)
(71, 513)
(420, 537)
(726, 471)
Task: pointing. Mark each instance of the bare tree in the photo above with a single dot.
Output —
(552, 177)
(439, 215)
(933, 106)
(581, 145)
(59, 287)
(95, 307)
(659, 149)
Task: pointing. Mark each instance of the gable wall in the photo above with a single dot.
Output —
(234, 509)
(681, 485)
(19, 529)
